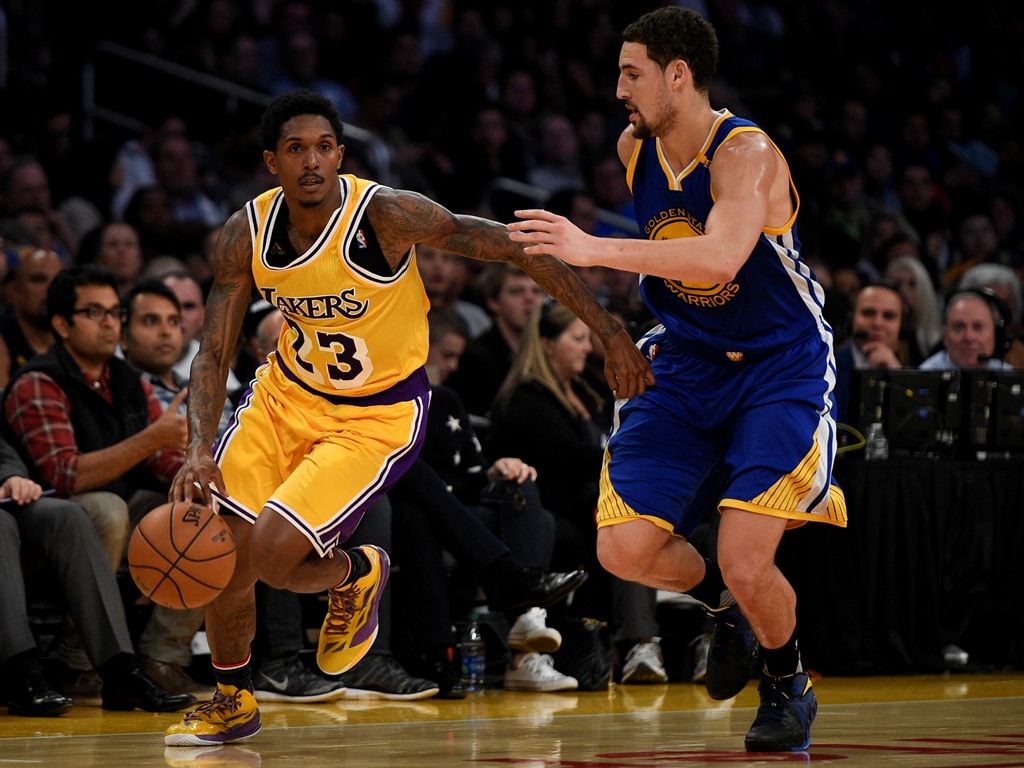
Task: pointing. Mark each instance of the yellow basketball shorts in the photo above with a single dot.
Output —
(318, 462)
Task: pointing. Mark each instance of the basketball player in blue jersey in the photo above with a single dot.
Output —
(743, 359)
(339, 410)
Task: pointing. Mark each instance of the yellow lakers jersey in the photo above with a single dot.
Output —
(352, 327)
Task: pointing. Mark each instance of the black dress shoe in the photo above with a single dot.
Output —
(136, 691)
(532, 587)
(32, 696)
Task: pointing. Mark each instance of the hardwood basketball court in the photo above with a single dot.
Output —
(929, 721)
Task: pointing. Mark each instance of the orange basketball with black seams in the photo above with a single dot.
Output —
(181, 555)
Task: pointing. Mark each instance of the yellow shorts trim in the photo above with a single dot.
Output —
(796, 519)
(612, 509)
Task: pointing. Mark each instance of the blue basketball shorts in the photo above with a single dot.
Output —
(756, 435)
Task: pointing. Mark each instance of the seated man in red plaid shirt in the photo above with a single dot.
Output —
(89, 426)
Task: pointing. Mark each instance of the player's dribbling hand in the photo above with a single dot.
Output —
(196, 476)
(627, 370)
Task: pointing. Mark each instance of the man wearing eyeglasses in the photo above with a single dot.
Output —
(89, 427)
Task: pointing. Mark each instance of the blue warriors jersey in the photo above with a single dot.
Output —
(352, 326)
(774, 298)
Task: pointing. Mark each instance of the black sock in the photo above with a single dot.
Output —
(118, 667)
(710, 589)
(501, 571)
(780, 662)
(21, 665)
(238, 675)
(359, 565)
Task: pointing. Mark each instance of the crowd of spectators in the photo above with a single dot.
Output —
(878, 106)
(901, 122)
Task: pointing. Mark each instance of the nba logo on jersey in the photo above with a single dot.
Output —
(361, 238)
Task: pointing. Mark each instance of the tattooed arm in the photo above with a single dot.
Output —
(401, 219)
(207, 390)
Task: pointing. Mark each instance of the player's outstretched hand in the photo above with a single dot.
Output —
(541, 231)
(627, 370)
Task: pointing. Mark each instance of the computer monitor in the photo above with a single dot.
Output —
(1008, 412)
(867, 397)
(995, 413)
(922, 410)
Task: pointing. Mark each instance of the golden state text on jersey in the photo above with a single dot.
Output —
(774, 297)
(353, 327)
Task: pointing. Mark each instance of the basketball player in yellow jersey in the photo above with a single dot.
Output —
(339, 410)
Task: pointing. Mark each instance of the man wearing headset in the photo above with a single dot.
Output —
(973, 332)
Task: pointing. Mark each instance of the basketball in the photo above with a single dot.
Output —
(181, 555)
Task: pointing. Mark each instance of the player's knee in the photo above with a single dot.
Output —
(618, 553)
(271, 572)
(270, 569)
(743, 578)
(275, 550)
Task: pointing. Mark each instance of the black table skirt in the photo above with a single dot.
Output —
(933, 554)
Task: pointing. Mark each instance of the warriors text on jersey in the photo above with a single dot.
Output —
(352, 327)
(774, 298)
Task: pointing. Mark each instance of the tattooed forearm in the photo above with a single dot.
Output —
(402, 219)
(564, 284)
(207, 392)
(482, 239)
(225, 309)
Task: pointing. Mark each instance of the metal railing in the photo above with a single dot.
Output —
(541, 196)
(106, 100)
(123, 105)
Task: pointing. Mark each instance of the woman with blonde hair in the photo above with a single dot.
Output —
(924, 317)
(549, 415)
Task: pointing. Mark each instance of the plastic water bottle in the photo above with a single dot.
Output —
(473, 653)
(876, 446)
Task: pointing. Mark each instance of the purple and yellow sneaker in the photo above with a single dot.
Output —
(350, 626)
(231, 715)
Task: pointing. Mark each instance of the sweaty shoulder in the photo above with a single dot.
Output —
(748, 162)
(747, 146)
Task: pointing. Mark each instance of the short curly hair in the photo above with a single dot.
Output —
(292, 104)
(678, 33)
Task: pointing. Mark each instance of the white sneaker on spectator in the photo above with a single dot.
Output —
(536, 672)
(955, 656)
(530, 633)
(644, 663)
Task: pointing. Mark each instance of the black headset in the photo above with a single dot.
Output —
(1001, 314)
